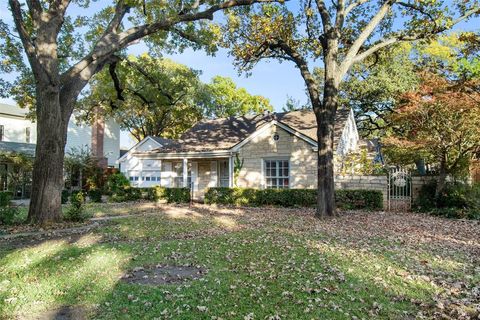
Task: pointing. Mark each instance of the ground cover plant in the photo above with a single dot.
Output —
(255, 263)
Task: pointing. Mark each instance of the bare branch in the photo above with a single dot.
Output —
(325, 15)
(301, 64)
(385, 43)
(22, 31)
(364, 35)
(353, 5)
(120, 10)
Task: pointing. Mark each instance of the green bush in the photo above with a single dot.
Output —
(116, 183)
(95, 195)
(176, 195)
(359, 199)
(8, 213)
(76, 211)
(171, 195)
(65, 196)
(346, 199)
(5, 198)
(125, 194)
(458, 200)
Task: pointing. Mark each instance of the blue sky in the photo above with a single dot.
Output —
(276, 81)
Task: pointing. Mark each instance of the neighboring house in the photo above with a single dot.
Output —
(103, 138)
(18, 134)
(277, 150)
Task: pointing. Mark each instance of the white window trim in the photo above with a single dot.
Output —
(264, 177)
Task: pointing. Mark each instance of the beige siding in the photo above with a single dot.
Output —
(300, 153)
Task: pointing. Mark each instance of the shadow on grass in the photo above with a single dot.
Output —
(260, 268)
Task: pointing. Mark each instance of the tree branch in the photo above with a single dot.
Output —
(325, 15)
(22, 31)
(364, 35)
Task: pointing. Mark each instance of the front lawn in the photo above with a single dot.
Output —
(256, 264)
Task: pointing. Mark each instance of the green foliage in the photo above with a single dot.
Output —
(237, 167)
(8, 213)
(116, 183)
(171, 195)
(224, 99)
(159, 97)
(65, 196)
(95, 195)
(458, 200)
(360, 163)
(76, 212)
(177, 195)
(80, 165)
(346, 199)
(359, 199)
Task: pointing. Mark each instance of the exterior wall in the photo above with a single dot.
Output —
(111, 142)
(379, 183)
(300, 153)
(78, 135)
(14, 129)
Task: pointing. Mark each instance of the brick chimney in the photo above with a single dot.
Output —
(98, 133)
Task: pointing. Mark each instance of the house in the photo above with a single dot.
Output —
(18, 134)
(276, 150)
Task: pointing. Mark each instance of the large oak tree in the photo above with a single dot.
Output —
(64, 51)
(158, 97)
(334, 35)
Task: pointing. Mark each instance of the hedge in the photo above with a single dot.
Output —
(171, 195)
(345, 199)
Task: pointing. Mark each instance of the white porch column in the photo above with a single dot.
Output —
(185, 173)
(230, 171)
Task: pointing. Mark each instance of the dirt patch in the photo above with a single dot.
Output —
(63, 313)
(163, 274)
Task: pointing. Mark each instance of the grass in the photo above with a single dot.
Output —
(261, 263)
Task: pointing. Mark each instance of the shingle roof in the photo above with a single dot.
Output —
(18, 147)
(225, 133)
(11, 110)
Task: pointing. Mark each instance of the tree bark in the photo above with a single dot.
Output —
(442, 178)
(325, 115)
(47, 178)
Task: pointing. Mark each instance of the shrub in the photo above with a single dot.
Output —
(76, 211)
(176, 195)
(359, 199)
(8, 213)
(65, 195)
(95, 195)
(116, 183)
(461, 201)
(346, 199)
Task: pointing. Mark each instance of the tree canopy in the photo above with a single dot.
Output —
(441, 121)
(158, 97)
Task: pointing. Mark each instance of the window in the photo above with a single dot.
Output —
(223, 176)
(2, 131)
(27, 135)
(178, 180)
(277, 174)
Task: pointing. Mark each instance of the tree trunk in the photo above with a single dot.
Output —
(325, 114)
(47, 178)
(442, 178)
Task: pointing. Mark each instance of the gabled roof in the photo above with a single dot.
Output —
(225, 133)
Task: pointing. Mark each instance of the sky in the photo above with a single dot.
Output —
(271, 79)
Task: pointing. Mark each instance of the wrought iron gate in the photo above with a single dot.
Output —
(399, 190)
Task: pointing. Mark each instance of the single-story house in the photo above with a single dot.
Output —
(274, 150)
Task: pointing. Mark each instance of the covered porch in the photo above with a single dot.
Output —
(197, 171)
